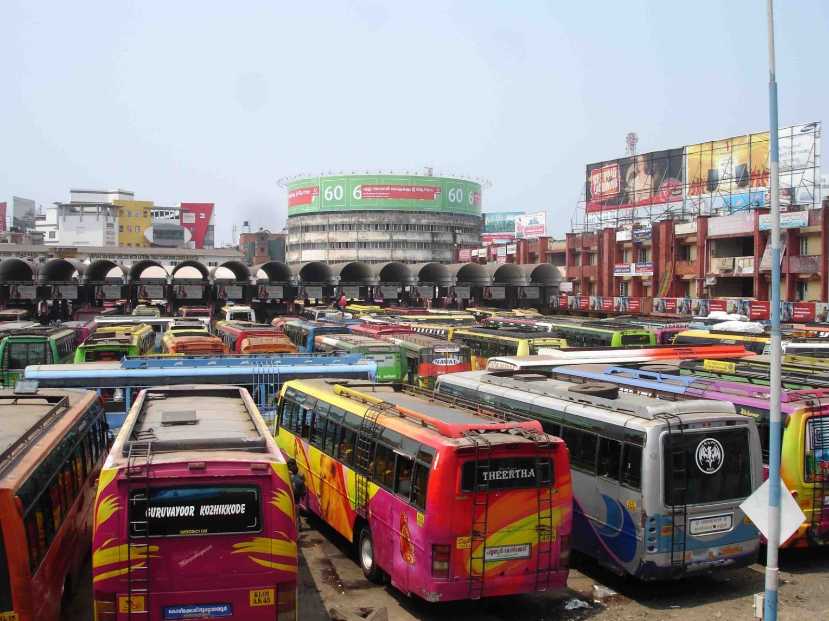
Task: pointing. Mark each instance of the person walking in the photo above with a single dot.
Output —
(297, 488)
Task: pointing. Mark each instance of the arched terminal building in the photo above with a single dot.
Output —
(381, 218)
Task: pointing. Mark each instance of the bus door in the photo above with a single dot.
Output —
(412, 367)
(816, 471)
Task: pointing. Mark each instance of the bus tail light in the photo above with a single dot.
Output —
(440, 561)
(286, 602)
(103, 607)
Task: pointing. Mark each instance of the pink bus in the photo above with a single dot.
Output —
(449, 502)
(194, 517)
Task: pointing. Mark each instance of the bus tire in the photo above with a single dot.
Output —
(605, 390)
(366, 556)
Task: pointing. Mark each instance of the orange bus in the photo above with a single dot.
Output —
(52, 444)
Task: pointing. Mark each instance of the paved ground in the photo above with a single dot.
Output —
(329, 577)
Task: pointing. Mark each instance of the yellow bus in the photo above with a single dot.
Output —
(484, 343)
(115, 342)
(757, 343)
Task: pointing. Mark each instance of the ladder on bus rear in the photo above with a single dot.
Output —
(364, 446)
(544, 547)
(265, 384)
(139, 460)
(677, 491)
(819, 431)
(480, 515)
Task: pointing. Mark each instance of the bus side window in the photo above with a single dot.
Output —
(306, 418)
(318, 429)
(333, 433)
(582, 445)
(384, 466)
(632, 466)
(552, 428)
(403, 477)
(420, 482)
(610, 455)
(345, 448)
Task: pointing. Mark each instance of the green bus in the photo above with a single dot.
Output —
(115, 342)
(385, 355)
(35, 345)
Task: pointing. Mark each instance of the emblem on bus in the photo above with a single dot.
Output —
(710, 456)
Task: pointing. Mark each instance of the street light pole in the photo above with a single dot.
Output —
(775, 418)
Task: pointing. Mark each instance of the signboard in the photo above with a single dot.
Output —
(488, 239)
(531, 225)
(529, 293)
(23, 213)
(465, 255)
(463, 293)
(622, 269)
(230, 292)
(313, 293)
(270, 292)
(64, 292)
(494, 293)
(383, 192)
(502, 251)
(643, 269)
(426, 292)
(189, 292)
(389, 293)
(500, 222)
(22, 292)
(788, 220)
(758, 310)
(512, 248)
(565, 286)
(641, 235)
(719, 366)
(108, 292)
(351, 292)
(197, 218)
(151, 292)
(756, 507)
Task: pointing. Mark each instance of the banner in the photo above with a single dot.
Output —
(150, 292)
(351, 292)
(197, 218)
(500, 222)
(108, 292)
(464, 255)
(64, 292)
(270, 292)
(389, 293)
(646, 179)
(531, 225)
(529, 293)
(788, 220)
(463, 293)
(425, 291)
(313, 293)
(230, 292)
(758, 310)
(189, 292)
(22, 292)
(494, 293)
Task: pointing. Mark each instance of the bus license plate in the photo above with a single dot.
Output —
(198, 611)
(506, 553)
(716, 524)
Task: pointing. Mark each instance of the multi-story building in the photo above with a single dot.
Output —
(262, 246)
(134, 221)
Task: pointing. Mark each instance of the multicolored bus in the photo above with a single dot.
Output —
(192, 342)
(549, 357)
(494, 519)
(752, 342)
(426, 357)
(194, 517)
(436, 330)
(482, 312)
(805, 453)
(447, 319)
(484, 343)
(361, 310)
(115, 342)
(52, 445)
(579, 333)
(35, 345)
(385, 354)
(749, 371)
(303, 333)
(379, 330)
(657, 484)
(202, 313)
(243, 337)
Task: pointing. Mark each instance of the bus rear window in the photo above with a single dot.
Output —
(22, 355)
(636, 339)
(507, 473)
(5, 584)
(817, 447)
(202, 510)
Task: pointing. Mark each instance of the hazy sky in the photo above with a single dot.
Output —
(214, 101)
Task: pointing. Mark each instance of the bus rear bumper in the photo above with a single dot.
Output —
(703, 560)
(459, 589)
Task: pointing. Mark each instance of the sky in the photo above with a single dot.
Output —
(214, 101)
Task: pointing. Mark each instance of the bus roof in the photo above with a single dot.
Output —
(193, 419)
(44, 331)
(419, 340)
(27, 418)
(357, 340)
(501, 332)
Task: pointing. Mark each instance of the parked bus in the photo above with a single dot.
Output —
(426, 357)
(202, 313)
(385, 354)
(482, 312)
(379, 330)
(484, 343)
(493, 520)
(52, 444)
(755, 343)
(14, 314)
(303, 333)
(323, 313)
(807, 347)
(805, 452)
(749, 371)
(115, 342)
(579, 334)
(11, 326)
(194, 475)
(158, 324)
(146, 310)
(361, 310)
(192, 344)
(243, 337)
(236, 312)
(448, 319)
(82, 329)
(436, 330)
(657, 485)
(549, 358)
(664, 329)
(35, 345)
(119, 381)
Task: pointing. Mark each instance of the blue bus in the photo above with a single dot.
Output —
(118, 382)
(302, 333)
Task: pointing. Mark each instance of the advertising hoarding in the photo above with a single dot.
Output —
(464, 255)
(351, 292)
(788, 220)
(23, 213)
(384, 192)
(644, 179)
(463, 293)
(22, 292)
(500, 221)
(531, 225)
(189, 292)
(197, 218)
(270, 292)
(495, 293)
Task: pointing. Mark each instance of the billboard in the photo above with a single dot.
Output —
(384, 192)
(531, 225)
(715, 177)
(197, 218)
(500, 221)
(23, 213)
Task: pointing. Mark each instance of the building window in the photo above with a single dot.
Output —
(804, 246)
(624, 288)
(683, 253)
(802, 290)
(120, 228)
(644, 255)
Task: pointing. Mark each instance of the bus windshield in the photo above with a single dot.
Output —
(817, 447)
(22, 354)
(717, 463)
(5, 584)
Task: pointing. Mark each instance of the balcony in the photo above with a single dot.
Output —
(686, 268)
(732, 266)
(582, 271)
(805, 264)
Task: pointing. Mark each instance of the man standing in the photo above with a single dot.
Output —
(297, 487)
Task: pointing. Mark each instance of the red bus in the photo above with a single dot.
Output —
(379, 330)
(280, 321)
(427, 357)
(494, 519)
(52, 444)
(194, 516)
(244, 337)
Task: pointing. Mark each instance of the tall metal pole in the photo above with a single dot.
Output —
(775, 419)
